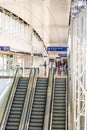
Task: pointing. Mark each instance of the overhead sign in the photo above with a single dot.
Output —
(37, 54)
(62, 55)
(57, 48)
(4, 48)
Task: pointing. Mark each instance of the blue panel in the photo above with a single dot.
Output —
(57, 48)
(4, 48)
(62, 55)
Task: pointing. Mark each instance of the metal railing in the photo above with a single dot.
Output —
(10, 99)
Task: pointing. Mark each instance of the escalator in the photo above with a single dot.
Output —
(39, 103)
(59, 105)
(14, 117)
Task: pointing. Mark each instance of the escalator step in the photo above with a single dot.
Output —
(39, 99)
(15, 112)
(37, 117)
(35, 128)
(37, 109)
(18, 102)
(37, 106)
(37, 121)
(36, 124)
(14, 116)
(18, 96)
(16, 109)
(59, 126)
(37, 113)
(12, 123)
(17, 105)
(59, 119)
(59, 114)
(11, 128)
(13, 119)
(59, 122)
(20, 93)
(39, 103)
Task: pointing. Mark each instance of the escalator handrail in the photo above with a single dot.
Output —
(24, 112)
(67, 94)
(48, 101)
(52, 102)
(30, 104)
(10, 99)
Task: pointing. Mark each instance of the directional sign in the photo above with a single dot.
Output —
(57, 48)
(5, 48)
(62, 55)
(37, 54)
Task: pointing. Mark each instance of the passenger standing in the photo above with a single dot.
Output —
(45, 68)
(58, 67)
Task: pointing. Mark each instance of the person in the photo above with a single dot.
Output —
(64, 67)
(58, 67)
(54, 67)
(45, 68)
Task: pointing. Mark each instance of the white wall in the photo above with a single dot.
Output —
(27, 61)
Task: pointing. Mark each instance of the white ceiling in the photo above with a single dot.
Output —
(50, 18)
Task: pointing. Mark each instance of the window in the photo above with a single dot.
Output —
(7, 23)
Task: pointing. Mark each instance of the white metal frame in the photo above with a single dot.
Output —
(78, 68)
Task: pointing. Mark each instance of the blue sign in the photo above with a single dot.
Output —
(57, 48)
(4, 48)
(62, 55)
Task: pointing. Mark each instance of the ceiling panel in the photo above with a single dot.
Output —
(50, 18)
